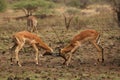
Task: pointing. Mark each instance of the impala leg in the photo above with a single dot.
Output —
(31, 25)
(64, 57)
(36, 28)
(100, 50)
(35, 25)
(68, 59)
(32, 28)
(70, 54)
(16, 53)
(27, 25)
(13, 48)
(65, 60)
(36, 54)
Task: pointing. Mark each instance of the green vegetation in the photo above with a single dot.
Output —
(3, 5)
(32, 5)
(78, 3)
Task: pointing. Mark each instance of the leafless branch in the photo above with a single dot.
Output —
(67, 21)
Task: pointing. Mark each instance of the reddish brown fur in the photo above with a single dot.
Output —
(32, 22)
(86, 35)
(81, 37)
(78, 40)
(24, 36)
(29, 37)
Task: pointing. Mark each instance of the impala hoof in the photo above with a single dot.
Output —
(19, 64)
(37, 63)
(102, 60)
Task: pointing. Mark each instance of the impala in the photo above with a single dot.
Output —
(87, 35)
(32, 23)
(20, 38)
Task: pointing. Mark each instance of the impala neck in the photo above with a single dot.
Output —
(67, 49)
(46, 47)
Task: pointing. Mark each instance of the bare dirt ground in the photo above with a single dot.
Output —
(82, 66)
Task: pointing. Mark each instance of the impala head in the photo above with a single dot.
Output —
(65, 50)
(48, 50)
(60, 50)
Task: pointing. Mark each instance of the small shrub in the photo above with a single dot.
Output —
(75, 3)
(78, 3)
(72, 11)
(45, 11)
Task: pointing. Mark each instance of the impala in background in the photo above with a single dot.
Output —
(32, 23)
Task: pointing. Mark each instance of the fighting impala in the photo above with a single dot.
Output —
(32, 23)
(87, 35)
(20, 38)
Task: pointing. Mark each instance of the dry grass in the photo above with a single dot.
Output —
(81, 67)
